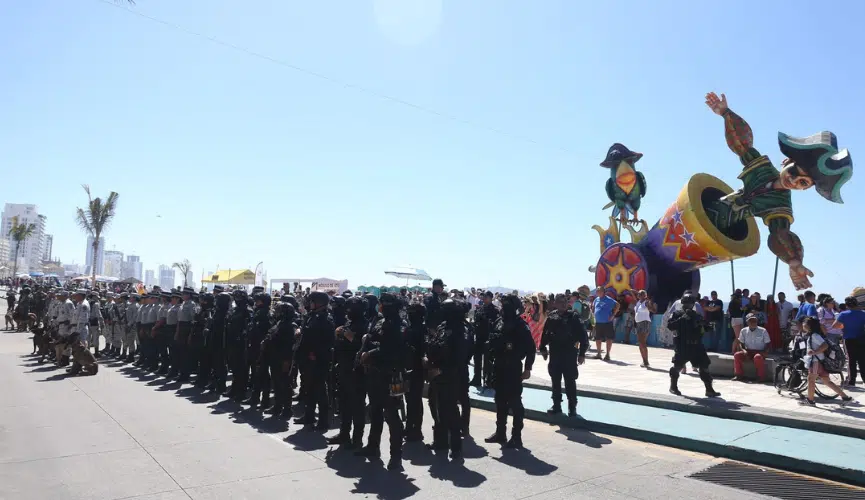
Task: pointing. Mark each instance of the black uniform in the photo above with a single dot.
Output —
(382, 354)
(688, 345)
(235, 346)
(446, 354)
(202, 356)
(510, 343)
(216, 341)
(415, 338)
(351, 395)
(257, 361)
(315, 349)
(278, 351)
(486, 318)
(566, 338)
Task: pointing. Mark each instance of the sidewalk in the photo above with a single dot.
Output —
(622, 379)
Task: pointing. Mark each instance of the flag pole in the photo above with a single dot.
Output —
(733, 275)
(775, 280)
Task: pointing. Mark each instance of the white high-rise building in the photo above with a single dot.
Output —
(132, 267)
(166, 277)
(113, 264)
(149, 277)
(72, 269)
(30, 253)
(5, 251)
(100, 256)
(48, 248)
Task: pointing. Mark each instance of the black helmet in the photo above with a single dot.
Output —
(240, 294)
(264, 299)
(288, 311)
(452, 308)
(337, 302)
(206, 299)
(356, 306)
(318, 297)
(388, 299)
(289, 299)
(222, 300)
(689, 299)
(510, 301)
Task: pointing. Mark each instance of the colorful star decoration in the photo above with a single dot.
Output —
(676, 234)
(621, 268)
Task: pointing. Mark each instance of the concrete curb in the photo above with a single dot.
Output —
(803, 422)
(850, 476)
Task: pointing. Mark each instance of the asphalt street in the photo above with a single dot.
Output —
(123, 434)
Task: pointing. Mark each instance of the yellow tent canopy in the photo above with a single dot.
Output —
(232, 277)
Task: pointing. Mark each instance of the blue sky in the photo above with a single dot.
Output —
(489, 176)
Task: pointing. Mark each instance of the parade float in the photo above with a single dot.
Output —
(709, 222)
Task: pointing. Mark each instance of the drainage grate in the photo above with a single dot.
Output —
(784, 485)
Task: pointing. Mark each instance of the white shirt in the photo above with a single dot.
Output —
(755, 339)
(642, 311)
(65, 313)
(784, 310)
(816, 341)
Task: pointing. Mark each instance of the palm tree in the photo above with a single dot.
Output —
(95, 219)
(19, 234)
(184, 267)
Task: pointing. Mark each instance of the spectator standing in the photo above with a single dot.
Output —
(734, 310)
(605, 309)
(643, 310)
(715, 318)
(826, 314)
(785, 314)
(773, 325)
(852, 325)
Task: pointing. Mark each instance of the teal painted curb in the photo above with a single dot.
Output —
(800, 422)
(850, 476)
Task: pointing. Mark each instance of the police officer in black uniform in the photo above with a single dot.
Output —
(235, 345)
(200, 345)
(315, 349)
(565, 341)
(688, 345)
(279, 352)
(445, 354)
(510, 343)
(415, 337)
(486, 317)
(382, 354)
(433, 305)
(258, 362)
(351, 396)
(216, 337)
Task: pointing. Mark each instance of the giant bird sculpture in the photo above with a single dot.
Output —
(626, 186)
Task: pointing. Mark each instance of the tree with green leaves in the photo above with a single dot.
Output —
(95, 219)
(19, 233)
(184, 267)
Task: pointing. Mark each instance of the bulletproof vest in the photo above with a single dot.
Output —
(688, 327)
(558, 330)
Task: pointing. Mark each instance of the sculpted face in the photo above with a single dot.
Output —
(793, 178)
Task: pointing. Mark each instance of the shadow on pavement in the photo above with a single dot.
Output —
(417, 454)
(372, 477)
(525, 461)
(719, 403)
(583, 437)
(307, 440)
(455, 472)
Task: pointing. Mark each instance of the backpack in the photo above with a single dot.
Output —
(834, 359)
(585, 312)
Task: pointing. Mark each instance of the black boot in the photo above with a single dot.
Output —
(572, 409)
(395, 464)
(555, 410)
(273, 410)
(265, 403)
(171, 373)
(286, 412)
(339, 439)
(253, 400)
(368, 452)
(674, 381)
(499, 437)
(706, 377)
(516, 441)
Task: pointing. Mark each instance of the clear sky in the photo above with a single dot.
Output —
(462, 137)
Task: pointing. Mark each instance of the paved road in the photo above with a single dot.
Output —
(119, 435)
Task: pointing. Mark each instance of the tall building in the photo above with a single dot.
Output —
(48, 248)
(113, 264)
(5, 250)
(131, 267)
(100, 256)
(30, 253)
(149, 278)
(72, 269)
(166, 277)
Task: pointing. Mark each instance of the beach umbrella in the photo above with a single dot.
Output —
(408, 273)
